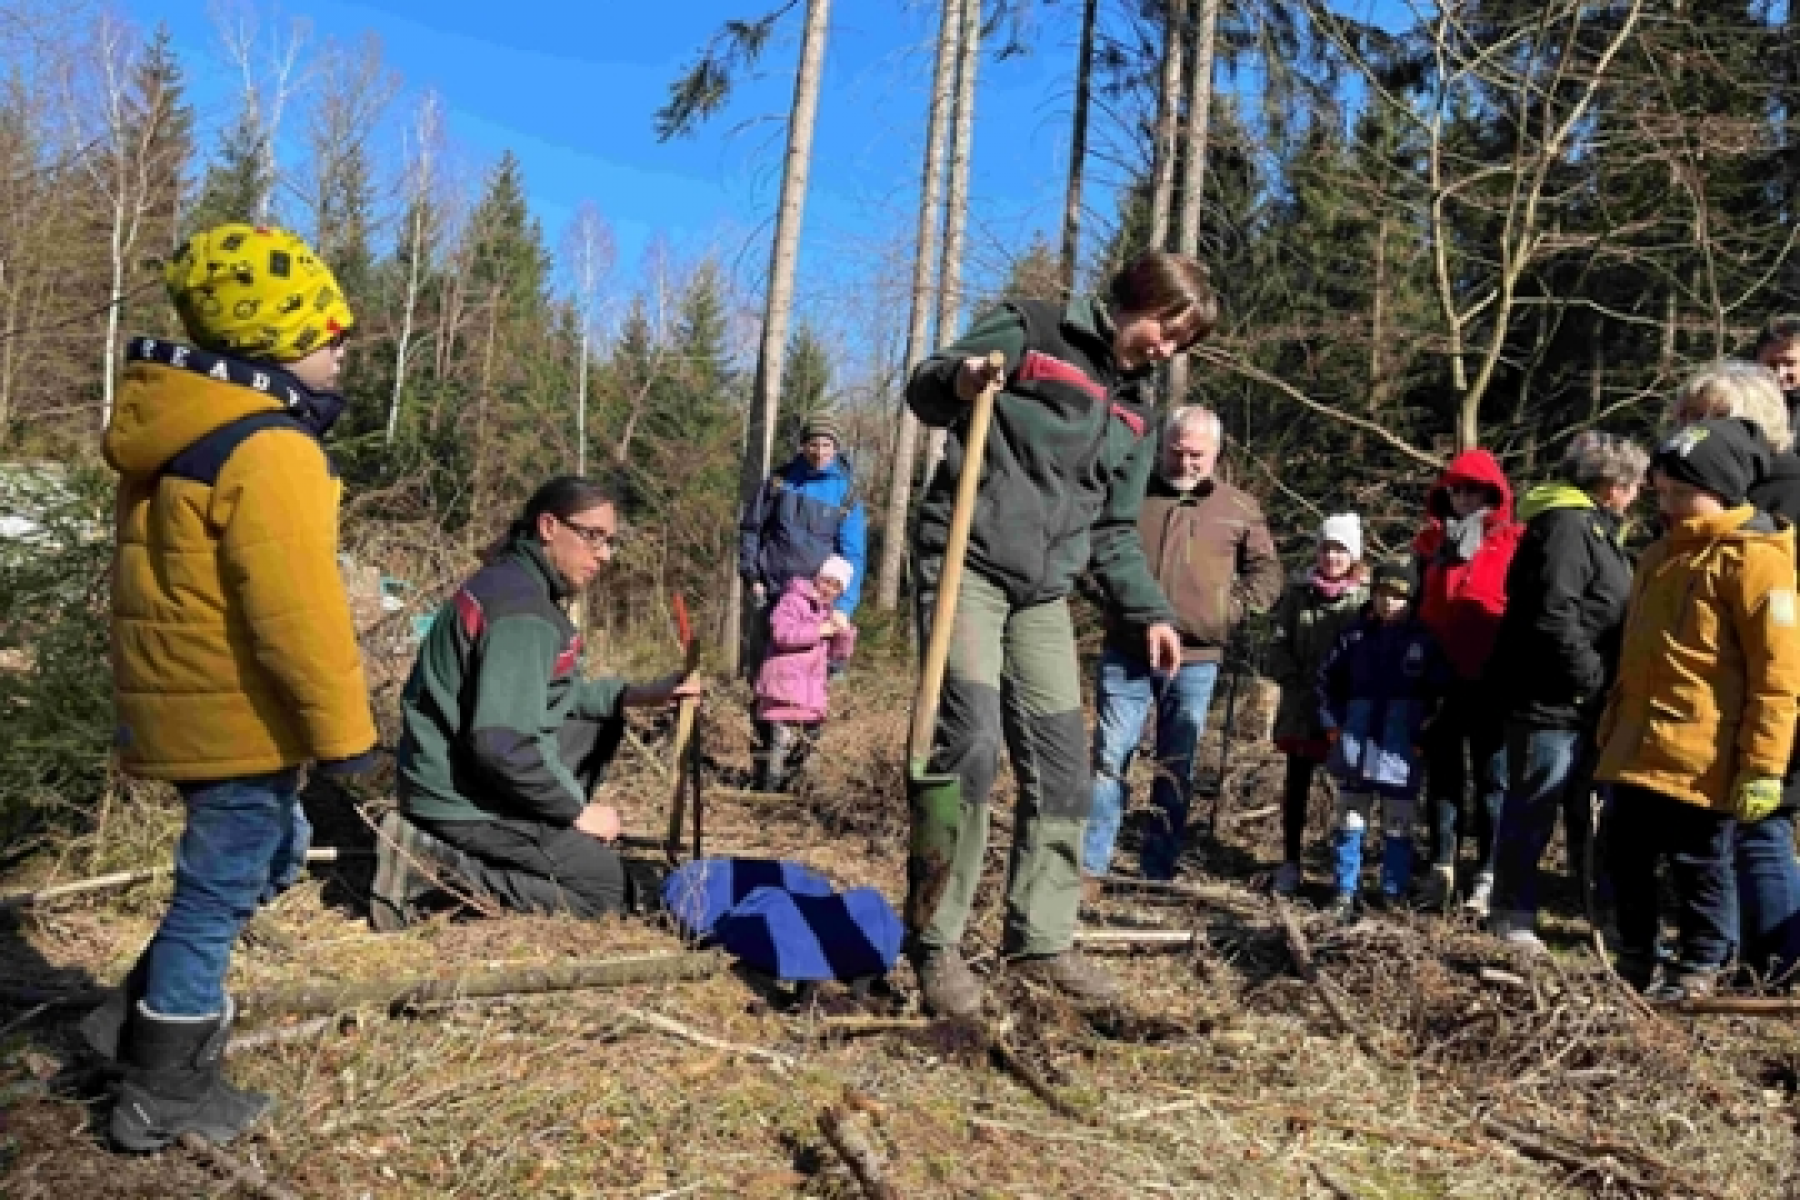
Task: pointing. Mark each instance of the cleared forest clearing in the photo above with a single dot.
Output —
(1422, 1060)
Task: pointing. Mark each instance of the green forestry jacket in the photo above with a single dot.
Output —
(1066, 464)
(1307, 623)
(496, 680)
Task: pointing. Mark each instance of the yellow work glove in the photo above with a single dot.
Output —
(1755, 798)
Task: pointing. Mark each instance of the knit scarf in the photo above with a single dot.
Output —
(1462, 536)
(1329, 588)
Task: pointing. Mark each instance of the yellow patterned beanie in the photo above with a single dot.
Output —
(256, 292)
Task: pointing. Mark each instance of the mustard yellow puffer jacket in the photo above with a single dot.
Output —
(1710, 667)
(233, 649)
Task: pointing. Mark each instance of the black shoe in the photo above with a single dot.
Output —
(1680, 983)
(1636, 971)
(408, 864)
(173, 1083)
(104, 1027)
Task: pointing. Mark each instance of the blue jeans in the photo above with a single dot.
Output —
(1468, 722)
(241, 840)
(1768, 895)
(1644, 830)
(1125, 693)
(1548, 770)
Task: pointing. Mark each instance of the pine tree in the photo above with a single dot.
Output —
(159, 103)
(237, 179)
(805, 388)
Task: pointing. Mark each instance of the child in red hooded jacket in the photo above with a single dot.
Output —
(1464, 550)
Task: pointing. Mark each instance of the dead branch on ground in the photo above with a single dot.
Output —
(841, 1132)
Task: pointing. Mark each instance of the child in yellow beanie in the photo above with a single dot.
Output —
(235, 662)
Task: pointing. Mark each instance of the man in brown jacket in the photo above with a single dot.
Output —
(1210, 550)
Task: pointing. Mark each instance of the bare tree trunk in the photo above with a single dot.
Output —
(9, 348)
(479, 501)
(1162, 179)
(427, 133)
(404, 345)
(1084, 70)
(956, 200)
(1193, 163)
(918, 328)
(581, 386)
(759, 438)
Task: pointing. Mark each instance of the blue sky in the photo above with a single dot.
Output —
(570, 87)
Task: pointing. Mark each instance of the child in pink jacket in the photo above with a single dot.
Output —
(806, 635)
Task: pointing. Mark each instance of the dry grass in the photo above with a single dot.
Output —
(1229, 1079)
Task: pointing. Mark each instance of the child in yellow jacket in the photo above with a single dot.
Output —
(235, 662)
(1697, 730)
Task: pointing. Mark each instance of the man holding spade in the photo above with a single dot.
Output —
(1061, 475)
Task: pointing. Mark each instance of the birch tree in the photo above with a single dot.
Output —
(128, 155)
(588, 251)
(268, 81)
(422, 150)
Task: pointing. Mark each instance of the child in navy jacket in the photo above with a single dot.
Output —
(1378, 690)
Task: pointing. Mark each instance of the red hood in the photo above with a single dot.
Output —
(1471, 466)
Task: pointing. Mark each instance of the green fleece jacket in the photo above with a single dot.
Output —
(1068, 457)
(495, 682)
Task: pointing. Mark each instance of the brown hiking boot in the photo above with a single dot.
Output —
(946, 985)
(1081, 979)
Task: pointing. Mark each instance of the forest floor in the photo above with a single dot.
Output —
(1426, 1060)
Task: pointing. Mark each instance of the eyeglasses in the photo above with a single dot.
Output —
(597, 539)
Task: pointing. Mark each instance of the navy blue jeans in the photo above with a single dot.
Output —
(1468, 724)
(1768, 895)
(1643, 830)
(1548, 771)
(1126, 692)
(244, 839)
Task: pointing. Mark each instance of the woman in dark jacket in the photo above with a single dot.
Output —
(1555, 657)
(1768, 877)
(504, 738)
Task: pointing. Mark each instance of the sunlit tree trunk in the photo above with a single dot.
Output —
(1168, 107)
(956, 200)
(1193, 162)
(918, 328)
(759, 436)
(1084, 71)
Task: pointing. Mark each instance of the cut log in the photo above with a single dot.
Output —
(840, 1130)
(123, 879)
(1740, 1006)
(1135, 939)
(397, 995)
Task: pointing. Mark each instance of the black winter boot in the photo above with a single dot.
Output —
(173, 1083)
(103, 1027)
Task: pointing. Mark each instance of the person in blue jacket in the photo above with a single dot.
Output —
(803, 514)
(1378, 691)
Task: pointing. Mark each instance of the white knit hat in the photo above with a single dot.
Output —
(1346, 530)
(837, 567)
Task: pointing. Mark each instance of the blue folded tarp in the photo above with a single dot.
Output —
(784, 919)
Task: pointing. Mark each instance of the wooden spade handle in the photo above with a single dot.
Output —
(684, 732)
(956, 548)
